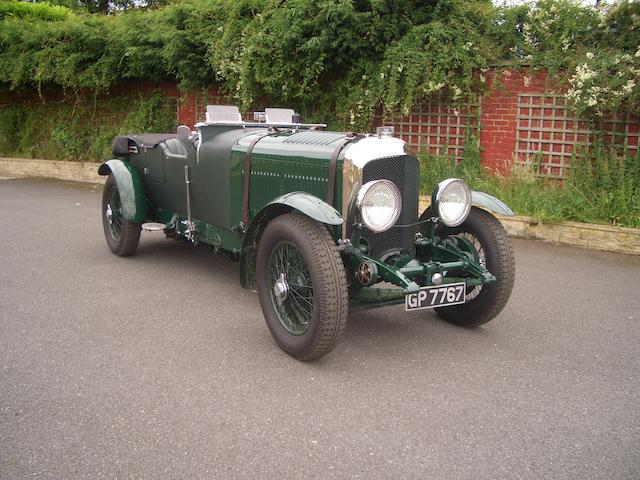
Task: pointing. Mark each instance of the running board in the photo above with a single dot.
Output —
(153, 227)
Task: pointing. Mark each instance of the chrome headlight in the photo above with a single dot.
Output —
(451, 201)
(380, 204)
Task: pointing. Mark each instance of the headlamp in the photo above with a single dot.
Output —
(380, 204)
(451, 201)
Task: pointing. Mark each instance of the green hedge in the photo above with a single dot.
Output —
(347, 59)
(10, 9)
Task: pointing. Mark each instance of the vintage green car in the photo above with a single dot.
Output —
(321, 222)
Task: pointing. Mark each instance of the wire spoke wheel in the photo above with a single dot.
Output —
(113, 212)
(122, 235)
(484, 237)
(292, 293)
(302, 286)
(478, 254)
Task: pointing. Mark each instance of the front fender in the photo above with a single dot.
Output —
(311, 206)
(134, 202)
(490, 202)
(302, 202)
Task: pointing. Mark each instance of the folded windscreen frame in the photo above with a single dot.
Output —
(279, 115)
(223, 114)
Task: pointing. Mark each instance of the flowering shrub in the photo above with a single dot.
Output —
(595, 52)
(605, 83)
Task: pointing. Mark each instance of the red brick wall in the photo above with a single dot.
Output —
(499, 115)
(519, 120)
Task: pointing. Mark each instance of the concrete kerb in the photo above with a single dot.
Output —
(71, 171)
(587, 235)
(598, 237)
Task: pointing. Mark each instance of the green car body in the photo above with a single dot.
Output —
(225, 184)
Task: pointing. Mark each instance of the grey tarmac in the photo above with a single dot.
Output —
(160, 366)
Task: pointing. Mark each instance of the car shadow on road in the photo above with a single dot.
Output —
(376, 332)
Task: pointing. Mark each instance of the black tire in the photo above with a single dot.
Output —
(494, 249)
(122, 236)
(301, 255)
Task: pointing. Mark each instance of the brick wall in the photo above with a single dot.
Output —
(520, 120)
(499, 115)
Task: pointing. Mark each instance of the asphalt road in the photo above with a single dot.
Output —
(160, 366)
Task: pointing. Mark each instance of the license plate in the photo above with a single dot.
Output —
(436, 296)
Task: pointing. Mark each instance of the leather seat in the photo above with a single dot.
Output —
(176, 147)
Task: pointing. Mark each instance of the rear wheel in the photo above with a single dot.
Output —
(122, 235)
(302, 286)
(491, 247)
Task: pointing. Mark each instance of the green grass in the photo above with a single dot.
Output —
(603, 187)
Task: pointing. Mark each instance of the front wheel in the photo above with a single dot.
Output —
(493, 250)
(122, 235)
(302, 286)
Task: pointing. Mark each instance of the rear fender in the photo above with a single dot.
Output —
(304, 203)
(134, 202)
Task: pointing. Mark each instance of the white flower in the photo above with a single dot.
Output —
(590, 55)
(364, 77)
(400, 68)
(583, 74)
(628, 87)
(381, 74)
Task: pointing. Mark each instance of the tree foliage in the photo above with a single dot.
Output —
(100, 6)
(11, 9)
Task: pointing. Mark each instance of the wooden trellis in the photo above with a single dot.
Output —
(548, 136)
(203, 100)
(440, 127)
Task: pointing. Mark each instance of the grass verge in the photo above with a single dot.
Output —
(602, 186)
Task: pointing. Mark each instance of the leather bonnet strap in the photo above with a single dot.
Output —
(247, 178)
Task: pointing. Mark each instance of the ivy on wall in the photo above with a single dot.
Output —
(82, 130)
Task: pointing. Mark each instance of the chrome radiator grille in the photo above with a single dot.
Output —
(403, 171)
